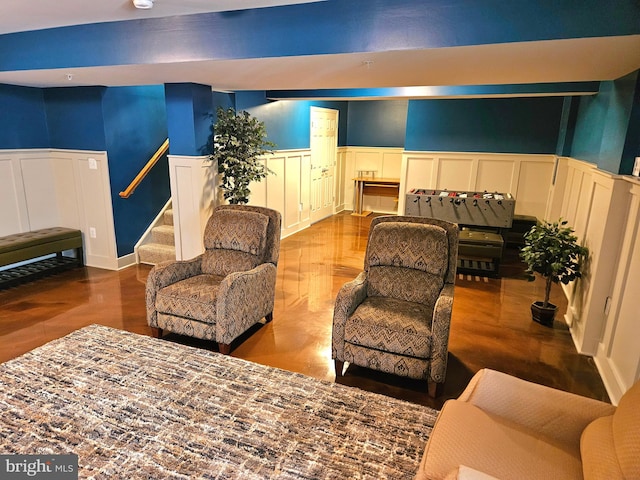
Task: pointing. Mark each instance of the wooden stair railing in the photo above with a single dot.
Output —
(145, 170)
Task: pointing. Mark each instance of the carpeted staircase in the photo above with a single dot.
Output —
(162, 245)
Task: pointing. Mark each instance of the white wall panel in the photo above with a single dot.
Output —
(292, 189)
(618, 356)
(193, 197)
(532, 192)
(456, 174)
(277, 194)
(497, 175)
(14, 217)
(40, 191)
(47, 188)
(65, 177)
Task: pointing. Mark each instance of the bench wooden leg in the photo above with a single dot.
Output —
(156, 332)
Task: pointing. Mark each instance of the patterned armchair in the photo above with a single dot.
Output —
(229, 288)
(395, 316)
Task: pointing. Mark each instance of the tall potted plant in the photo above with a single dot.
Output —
(236, 142)
(552, 251)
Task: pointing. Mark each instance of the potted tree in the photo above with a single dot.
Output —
(552, 251)
(236, 142)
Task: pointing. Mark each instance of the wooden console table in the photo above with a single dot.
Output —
(383, 187)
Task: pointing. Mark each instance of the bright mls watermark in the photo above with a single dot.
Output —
(50, 467)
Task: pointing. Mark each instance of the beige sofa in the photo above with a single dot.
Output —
(507, 428)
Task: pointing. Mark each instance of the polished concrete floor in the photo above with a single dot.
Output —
(491, 324)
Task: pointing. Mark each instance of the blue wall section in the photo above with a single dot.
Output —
(377, 123)
(601, 127)
(189, 109)
(135, 123)
(74, 116)
(508, 125)
(288, 122)
(23, 123)
(632, 144)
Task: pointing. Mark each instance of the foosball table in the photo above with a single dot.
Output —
(482, 217)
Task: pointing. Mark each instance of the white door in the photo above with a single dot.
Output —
(324, 144)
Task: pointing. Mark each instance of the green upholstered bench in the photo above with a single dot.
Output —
(21, 247)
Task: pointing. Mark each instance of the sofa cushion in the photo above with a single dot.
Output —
(599, 460)
(234, 241)
(391, 326)
(466, 435)
(626, 432)
(193, 298)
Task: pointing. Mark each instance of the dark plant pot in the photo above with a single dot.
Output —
(543, 315)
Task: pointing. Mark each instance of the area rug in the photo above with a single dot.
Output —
(132, 406)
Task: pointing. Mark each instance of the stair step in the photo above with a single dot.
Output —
(153, 253)
(168, 217)
(163, 234)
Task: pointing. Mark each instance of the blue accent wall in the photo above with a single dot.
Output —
(189, 109)
(377, 123)
(601, 126)
(135, 123)
(508, 125)
(288, 122)
(23, 123)
(632, 143)
(74, 116)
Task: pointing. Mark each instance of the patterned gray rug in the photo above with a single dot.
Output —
(135, 407)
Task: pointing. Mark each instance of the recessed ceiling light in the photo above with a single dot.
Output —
(143, 4)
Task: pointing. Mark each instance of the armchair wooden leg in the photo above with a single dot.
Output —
(339, 367)
(268, 317)
(156, 332)
(435, 389)
(224, 348)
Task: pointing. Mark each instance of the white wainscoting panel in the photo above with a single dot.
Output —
(93, 197)
(44, 188)
(618, 356)
(14, 216)
(383, 162)
(603, 311)
(527, 177)
(287, 189)
(193, 194)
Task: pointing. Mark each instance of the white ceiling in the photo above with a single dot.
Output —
(572, 60)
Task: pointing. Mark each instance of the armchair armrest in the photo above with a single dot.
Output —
(440, 327)
(553, 413)
(243, 299)
(349, 297)
(164, 274)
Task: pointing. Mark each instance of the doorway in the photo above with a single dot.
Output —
(323, 146)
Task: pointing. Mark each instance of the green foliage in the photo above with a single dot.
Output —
(236, 142)
(553, 251)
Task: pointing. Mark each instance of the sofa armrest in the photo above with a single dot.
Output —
(243, 299)
(553, 413)
(164, 274)
(467, 473)
(440, 327)
(349, 297)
